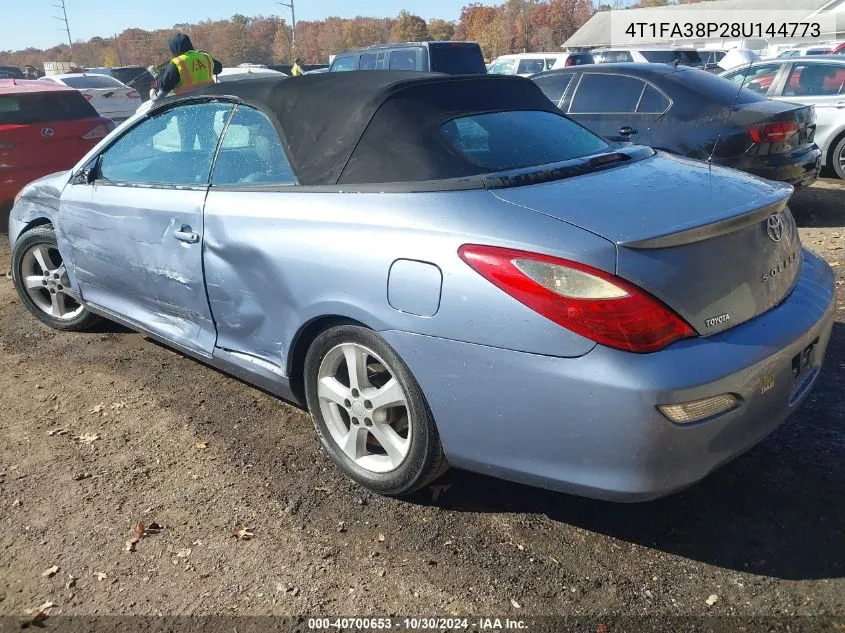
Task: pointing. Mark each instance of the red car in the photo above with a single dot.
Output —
(44, 128)
(839, 50)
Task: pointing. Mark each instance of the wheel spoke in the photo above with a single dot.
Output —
(356, 365)
(395, 445)
(354, 443)
(42, 256)
(59, 305)
(330, 388)
(34, 281)
(390, 395)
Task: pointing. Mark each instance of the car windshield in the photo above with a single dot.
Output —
(688, 58)
(91, 81)
(499, 141)
(22, 109)
(456, 58)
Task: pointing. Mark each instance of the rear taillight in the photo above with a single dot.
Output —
(132, 94)
(88, 96)
(777, 132)
(101, 131)
(589, 302)
(570, 61)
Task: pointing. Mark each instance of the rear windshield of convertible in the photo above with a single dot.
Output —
(499, 141)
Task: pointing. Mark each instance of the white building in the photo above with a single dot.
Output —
(596, 32)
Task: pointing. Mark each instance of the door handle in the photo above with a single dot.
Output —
(626, 130)
(185, 234)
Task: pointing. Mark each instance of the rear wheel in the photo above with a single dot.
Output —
(370, 413)
(837, 158)
(42, 282)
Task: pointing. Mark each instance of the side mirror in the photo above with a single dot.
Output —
(87, 175)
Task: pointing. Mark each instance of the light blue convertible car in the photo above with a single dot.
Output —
(444, 270)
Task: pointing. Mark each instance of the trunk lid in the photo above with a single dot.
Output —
(700, 239)
(737, 135)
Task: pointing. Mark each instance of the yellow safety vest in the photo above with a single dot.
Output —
(195, 70)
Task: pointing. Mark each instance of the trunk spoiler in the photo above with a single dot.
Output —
(701, 233)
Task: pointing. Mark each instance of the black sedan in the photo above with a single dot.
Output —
(689, 112)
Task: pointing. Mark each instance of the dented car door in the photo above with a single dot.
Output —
(135, 225)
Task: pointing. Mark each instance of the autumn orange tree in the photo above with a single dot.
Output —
(512, 26)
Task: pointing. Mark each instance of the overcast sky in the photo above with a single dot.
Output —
(31, 23)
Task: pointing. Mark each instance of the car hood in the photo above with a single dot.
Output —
(48, 189)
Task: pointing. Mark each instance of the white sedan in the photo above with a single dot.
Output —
(110, 98)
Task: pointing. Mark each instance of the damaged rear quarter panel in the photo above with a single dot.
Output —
(276, 260)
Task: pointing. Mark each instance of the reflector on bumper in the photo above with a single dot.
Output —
(696, 410)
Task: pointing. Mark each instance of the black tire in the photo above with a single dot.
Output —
(424, 461)
(836, 156)
(45, 235)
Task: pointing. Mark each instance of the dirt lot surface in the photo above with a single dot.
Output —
(104, 430)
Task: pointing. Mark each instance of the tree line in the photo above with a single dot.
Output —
(514, 26)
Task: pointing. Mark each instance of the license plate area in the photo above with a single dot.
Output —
(803, 364)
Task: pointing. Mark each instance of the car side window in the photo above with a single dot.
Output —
(606, 94)
(815, 80)
(757, 79)
(615, 57)
(175, 147)
(653, 101)
(530, 66)
(251, 152)
(341, 64)
(403, 59)
(504, 67)
(370, 61)
(553, 86)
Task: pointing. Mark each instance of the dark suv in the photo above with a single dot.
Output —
(453, 58)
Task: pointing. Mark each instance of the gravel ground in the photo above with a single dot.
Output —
(104, 430)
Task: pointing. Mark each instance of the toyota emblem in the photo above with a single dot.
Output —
(774, 227)
(47, 132)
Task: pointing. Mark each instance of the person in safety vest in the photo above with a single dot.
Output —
(296, 69)
(188, 70)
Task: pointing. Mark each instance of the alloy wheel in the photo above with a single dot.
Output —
(365, 407)
(45, 279)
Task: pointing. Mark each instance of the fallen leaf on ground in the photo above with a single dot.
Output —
(49, 573)
(35, 615)
(243, 533)
(834, 263)
(61, 431)
(71, 581)
(183, 553)
(100, 575)
(711, 600)
(520, 547)
(117, 405)
(381, 538)
(515, 604)
(436, 491)
(16, 503)
(202, 445)
(139, 532)
(87, 438)
(100, 407)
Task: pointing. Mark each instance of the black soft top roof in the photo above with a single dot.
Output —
(376, 126)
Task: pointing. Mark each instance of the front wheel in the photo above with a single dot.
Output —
(42, 282)
(837, 159)
(370, 413)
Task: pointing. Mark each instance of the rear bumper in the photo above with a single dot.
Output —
(798, 168)
(590, 425)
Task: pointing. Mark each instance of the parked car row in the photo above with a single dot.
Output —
(655, 104)
(44, 127)
(466, 276)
